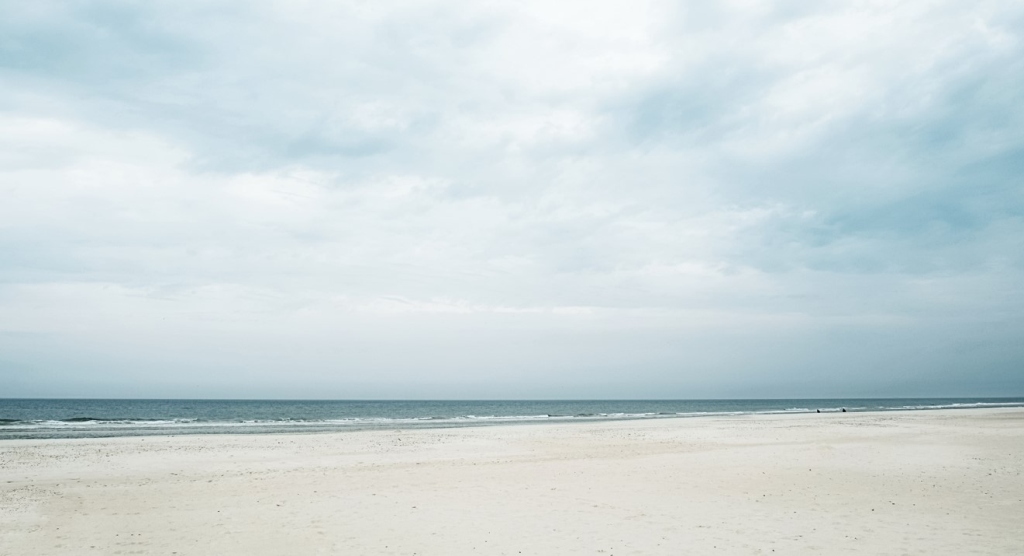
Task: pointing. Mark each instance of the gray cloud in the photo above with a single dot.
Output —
(455, 199)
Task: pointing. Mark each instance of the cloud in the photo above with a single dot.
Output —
(725, 200)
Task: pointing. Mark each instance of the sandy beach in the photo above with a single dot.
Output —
(925, 482)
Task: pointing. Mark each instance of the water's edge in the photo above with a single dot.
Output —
(34, 419)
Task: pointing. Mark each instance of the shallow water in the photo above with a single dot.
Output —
(65, 418)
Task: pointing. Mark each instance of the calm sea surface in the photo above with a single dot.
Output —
(63, 418)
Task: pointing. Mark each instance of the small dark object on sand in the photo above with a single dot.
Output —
(844, 410)
(817, 411)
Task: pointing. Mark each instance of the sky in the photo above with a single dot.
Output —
(529, 199)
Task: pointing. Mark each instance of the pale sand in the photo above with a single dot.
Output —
(937, 482)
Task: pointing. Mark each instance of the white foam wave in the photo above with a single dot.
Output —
(194, 424)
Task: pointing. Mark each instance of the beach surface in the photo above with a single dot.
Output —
(917, 482)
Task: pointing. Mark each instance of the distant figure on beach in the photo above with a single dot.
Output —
(844, 410)
(817, 411)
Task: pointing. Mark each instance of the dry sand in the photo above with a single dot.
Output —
(926, 482)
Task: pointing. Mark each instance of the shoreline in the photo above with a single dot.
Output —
(941, 481)
(301, 426)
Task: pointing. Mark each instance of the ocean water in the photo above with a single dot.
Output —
(65, 418)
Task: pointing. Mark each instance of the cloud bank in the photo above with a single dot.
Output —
(490, 199)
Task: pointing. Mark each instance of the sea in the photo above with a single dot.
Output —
(89, 418)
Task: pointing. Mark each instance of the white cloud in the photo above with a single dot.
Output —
(577, 189)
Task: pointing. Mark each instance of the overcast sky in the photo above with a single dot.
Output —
(529, 199)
